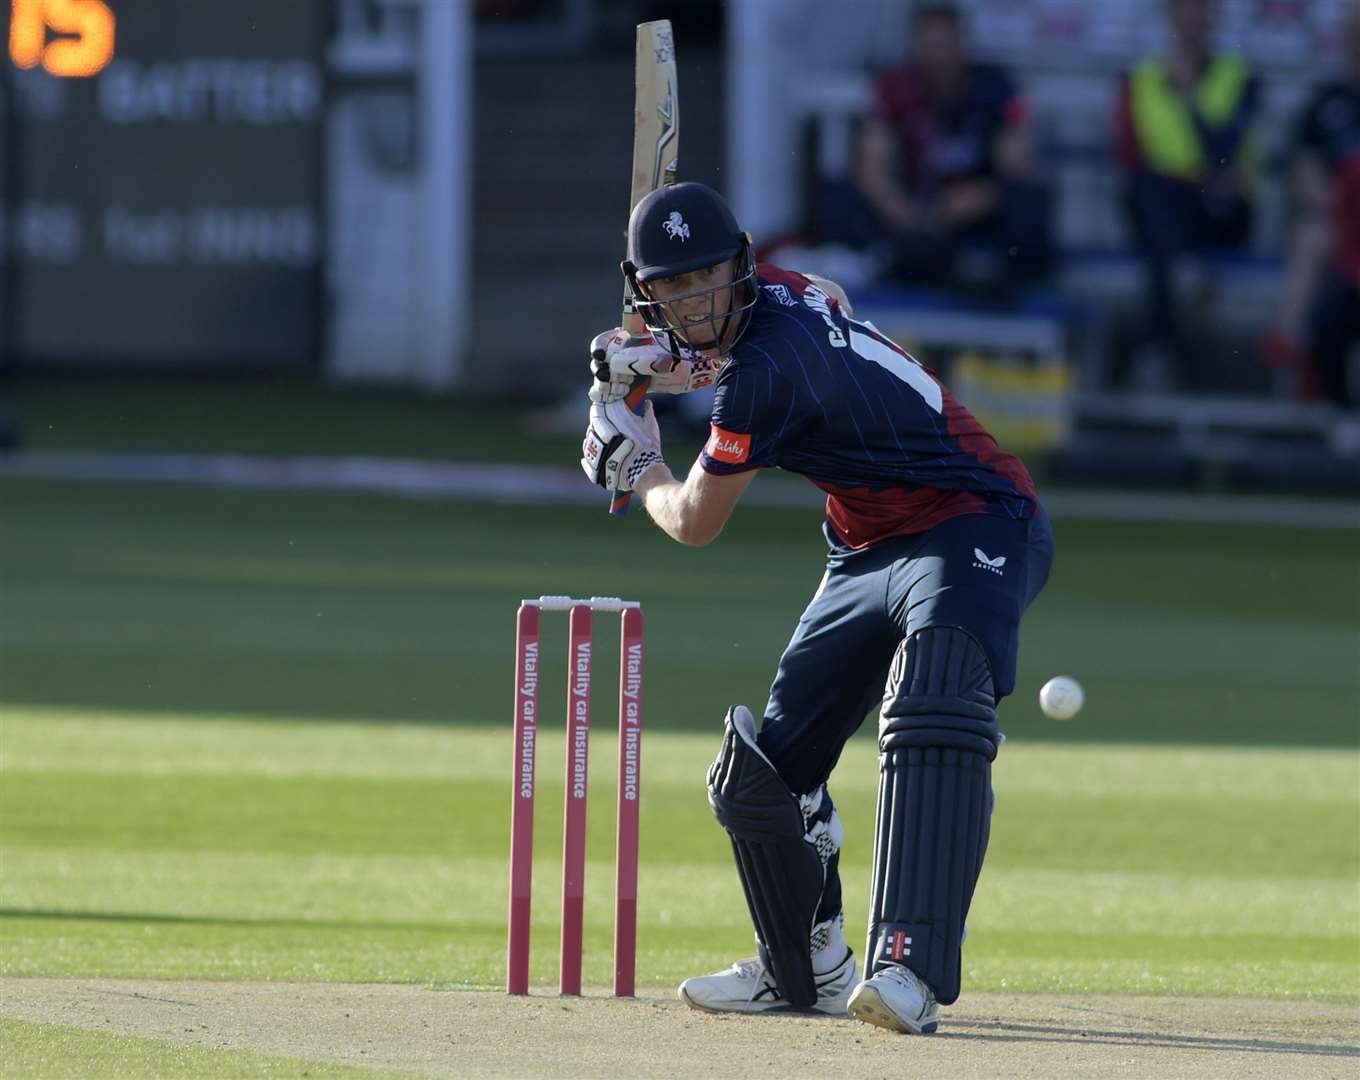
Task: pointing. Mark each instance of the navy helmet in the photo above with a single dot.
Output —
(677, 230)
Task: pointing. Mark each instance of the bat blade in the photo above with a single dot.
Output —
(656, 142)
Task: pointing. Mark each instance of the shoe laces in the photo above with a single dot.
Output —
(908, 979)
(750, 968)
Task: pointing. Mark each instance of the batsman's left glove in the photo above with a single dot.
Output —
(620, 445)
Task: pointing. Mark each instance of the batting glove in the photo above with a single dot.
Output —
(620, 445)
(617, 361)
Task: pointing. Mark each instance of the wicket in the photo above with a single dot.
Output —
(579, 670)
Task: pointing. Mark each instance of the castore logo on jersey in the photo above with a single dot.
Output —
(983, 561)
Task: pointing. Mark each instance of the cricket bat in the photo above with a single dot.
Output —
(656, 138)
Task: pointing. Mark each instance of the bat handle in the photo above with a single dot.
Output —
(636, 396)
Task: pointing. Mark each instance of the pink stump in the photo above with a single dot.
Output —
(630, 791)
(574, 811)
(522, 799)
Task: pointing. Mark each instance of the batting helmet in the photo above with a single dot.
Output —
(677, 230)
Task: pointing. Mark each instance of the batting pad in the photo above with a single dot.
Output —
(937, 739)
(782, 874)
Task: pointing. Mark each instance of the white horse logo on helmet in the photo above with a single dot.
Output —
(675, 226)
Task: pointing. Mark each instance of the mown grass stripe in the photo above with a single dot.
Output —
(64, 1052)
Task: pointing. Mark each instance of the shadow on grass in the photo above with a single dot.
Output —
(1010, 1031)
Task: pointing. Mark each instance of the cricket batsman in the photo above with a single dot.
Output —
(936, 545)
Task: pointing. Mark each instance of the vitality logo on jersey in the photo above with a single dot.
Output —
(982, 561)
(728, 446)
(675, 226)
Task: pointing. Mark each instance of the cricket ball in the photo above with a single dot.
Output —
(1061, 698)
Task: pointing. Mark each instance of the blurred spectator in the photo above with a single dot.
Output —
(944, 164)
(1183, 127)
(1334, 323)
(1319, 320)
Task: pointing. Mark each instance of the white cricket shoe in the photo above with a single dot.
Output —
(896, 999)
(746, 987)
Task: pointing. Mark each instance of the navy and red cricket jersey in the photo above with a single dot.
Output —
(810, 391)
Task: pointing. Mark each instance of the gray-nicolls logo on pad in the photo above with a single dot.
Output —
(983, 561)
(675, 226)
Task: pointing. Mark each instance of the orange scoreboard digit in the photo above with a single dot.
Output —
(70, 38)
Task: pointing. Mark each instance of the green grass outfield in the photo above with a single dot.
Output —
(266, 735)
(211, 847)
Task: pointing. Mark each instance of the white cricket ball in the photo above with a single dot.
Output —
(1061, 698)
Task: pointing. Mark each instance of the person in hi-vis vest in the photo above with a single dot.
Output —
(1183, 123)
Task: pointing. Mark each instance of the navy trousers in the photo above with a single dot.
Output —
(977, 572)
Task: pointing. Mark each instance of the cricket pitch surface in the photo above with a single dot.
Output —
(442, 1033)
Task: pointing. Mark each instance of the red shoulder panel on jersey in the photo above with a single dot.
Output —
(777, 275)
(791, 279)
